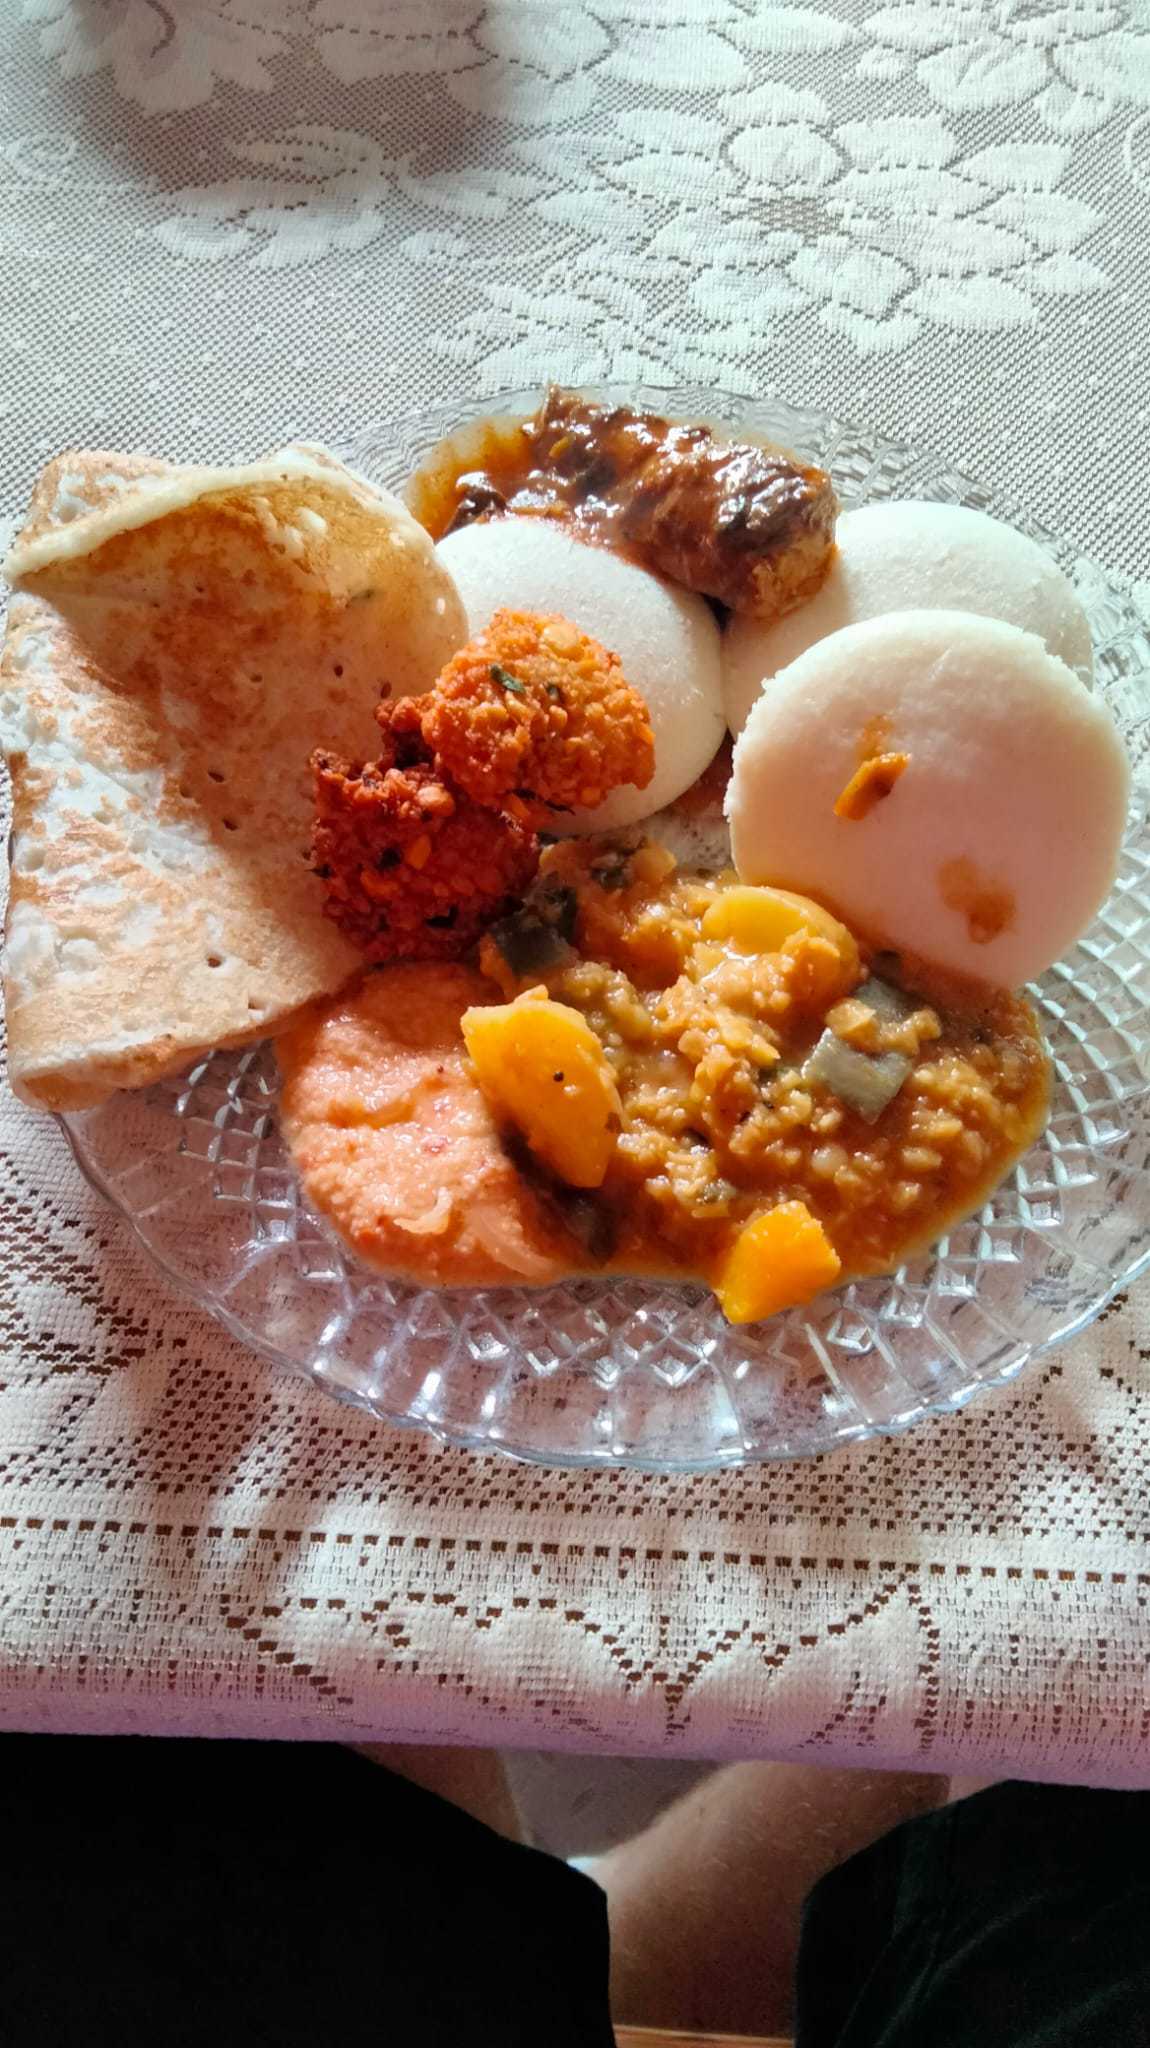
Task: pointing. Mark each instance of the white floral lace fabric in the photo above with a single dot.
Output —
(227, 222)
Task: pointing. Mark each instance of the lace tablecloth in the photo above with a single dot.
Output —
(231, 221)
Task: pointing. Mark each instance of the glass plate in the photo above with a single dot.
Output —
(633, 1373)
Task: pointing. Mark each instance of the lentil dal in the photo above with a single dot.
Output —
(708, 1039)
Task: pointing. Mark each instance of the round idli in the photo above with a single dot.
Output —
(912, 555)
(981, 791)
(666, 639)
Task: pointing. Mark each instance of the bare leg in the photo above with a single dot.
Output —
(965, 1788)
(471, 1778)
(705, 1904)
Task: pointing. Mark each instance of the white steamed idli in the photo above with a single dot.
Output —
(1000, 837)
(911, 555)
(666, 639)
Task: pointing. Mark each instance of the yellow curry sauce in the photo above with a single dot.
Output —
(658, 1071)
(708, 1035)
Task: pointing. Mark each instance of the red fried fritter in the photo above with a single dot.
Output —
(536, 716)
(412, 868)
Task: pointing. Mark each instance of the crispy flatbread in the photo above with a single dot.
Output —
(178, 642)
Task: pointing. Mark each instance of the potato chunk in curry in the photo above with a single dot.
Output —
(541, 1066)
